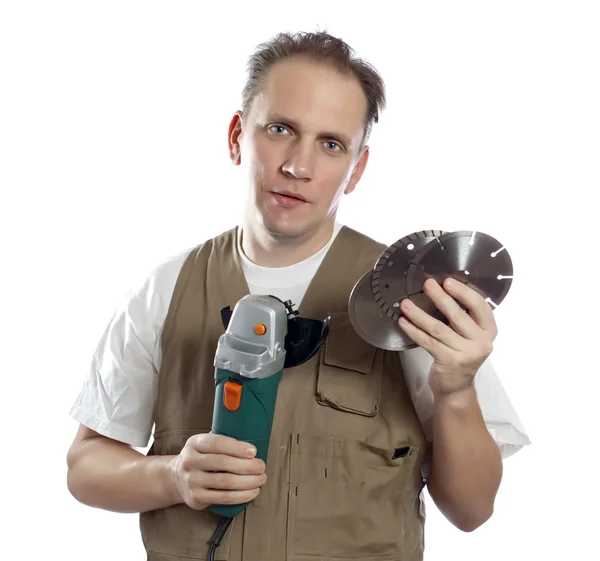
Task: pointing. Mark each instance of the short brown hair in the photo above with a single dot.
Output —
(323, 48)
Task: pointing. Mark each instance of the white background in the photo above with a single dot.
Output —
(113, 135)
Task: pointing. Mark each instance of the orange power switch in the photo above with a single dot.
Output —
(233, 395)
(260, 329)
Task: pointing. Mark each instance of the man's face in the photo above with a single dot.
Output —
(300, 146)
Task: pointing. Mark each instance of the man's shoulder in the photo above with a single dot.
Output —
(365, 240)
(163, 277)
(154, 288)
(166, 271)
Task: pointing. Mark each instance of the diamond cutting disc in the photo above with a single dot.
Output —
(371, 323)
(474, 258)
(390, 272)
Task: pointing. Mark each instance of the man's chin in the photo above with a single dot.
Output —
(283, 231)
(284, 228)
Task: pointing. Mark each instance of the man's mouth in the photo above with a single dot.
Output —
(290, 195)
(287, 199)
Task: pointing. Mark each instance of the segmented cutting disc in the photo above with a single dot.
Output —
(371, 323)
(388, 279)
(473, 258)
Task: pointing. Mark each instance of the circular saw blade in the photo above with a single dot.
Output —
(474, 258)
(388, 278)
(371, 323)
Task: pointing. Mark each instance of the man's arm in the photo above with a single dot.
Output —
(466, 465)
(210, 469)
(107, 474)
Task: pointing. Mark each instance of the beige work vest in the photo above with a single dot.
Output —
(346, 450)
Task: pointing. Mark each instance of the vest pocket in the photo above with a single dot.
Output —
(349, 376)
(347, 498)
(180, 531)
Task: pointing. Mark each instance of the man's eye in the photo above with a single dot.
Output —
(333, 146)
(278, 129)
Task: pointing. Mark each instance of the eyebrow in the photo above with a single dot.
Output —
(326, 134)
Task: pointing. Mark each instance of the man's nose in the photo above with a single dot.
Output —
(300, 161)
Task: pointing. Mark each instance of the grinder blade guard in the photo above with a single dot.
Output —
(304, 336)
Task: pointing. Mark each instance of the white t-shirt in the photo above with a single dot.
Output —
(119, 391)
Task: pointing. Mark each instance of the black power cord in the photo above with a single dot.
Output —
(217, 537)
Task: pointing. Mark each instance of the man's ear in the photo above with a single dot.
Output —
(234, 138)
(359, 169)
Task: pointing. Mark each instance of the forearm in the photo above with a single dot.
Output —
(466, 466)
(110, 475)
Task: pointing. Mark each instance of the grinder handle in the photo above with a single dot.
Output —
(244, 410)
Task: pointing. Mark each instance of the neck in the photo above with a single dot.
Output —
(268, 250)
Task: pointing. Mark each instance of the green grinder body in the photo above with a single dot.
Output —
(244, 409)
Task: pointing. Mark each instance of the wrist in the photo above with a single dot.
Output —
(170, 480)
(458, 411)
(464, 398)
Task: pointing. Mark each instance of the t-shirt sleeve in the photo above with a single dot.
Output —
(120, 386)
(499, 415)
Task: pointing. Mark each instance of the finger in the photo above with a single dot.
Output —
(210, 443)
(206, 497)
(229, 481)
(230, 464)
(429, 328)
(461, 322)
(478, 309)
(434, 347)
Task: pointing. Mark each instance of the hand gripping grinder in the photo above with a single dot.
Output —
(263, 336)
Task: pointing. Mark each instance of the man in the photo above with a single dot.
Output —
(350, 438)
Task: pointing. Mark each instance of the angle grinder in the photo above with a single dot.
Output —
(473, 258)
(263, 336)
